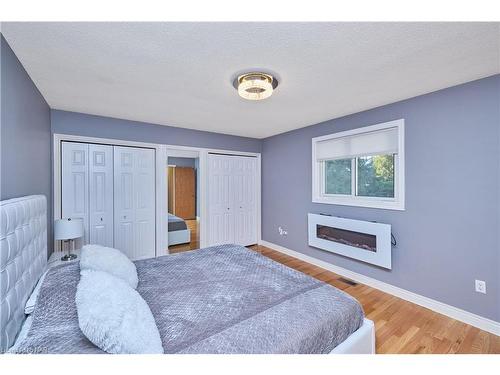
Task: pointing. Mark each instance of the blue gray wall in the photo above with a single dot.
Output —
(25, 134)
(105, 127)
(449, 233)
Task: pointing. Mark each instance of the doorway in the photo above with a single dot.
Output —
(183, 202)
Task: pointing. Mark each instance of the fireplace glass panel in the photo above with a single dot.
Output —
(362, 241)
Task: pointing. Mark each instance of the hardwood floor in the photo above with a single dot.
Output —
(401, 326)
(195, 239)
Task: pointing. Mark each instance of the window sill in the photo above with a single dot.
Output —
(362, 202)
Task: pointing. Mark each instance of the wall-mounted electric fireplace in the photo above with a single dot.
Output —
(347, 237)
(362, 240)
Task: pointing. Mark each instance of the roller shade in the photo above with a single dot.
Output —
(372, 143)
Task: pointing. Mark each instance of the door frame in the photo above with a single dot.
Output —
(160, 180)
(202, 154)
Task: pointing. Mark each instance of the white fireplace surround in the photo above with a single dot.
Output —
(381, 256)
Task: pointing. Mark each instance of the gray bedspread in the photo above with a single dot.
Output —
(176, 223)
(223, 299)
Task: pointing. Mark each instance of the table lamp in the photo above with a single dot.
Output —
(67, 230)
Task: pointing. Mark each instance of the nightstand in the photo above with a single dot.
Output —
(55, 258)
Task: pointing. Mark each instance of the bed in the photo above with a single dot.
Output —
(178, 232)
(222, 299)
(23, 258)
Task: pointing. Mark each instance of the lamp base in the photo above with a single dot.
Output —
(69, 257)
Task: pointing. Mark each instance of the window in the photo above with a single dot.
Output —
(338, 176)
(375, 176)
(362, 167)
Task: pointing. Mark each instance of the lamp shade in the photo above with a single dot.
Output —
(68, 229)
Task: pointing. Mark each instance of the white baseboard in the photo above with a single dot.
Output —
(439, 307)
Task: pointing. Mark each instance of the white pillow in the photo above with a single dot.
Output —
(31, 302)
(114, 317)
(107, 259)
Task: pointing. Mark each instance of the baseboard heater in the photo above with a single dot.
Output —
(367, 241)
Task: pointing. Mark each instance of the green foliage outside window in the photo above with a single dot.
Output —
(338, 176)
(376, 176)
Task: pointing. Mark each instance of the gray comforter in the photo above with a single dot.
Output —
(223, 299)
(176, 223)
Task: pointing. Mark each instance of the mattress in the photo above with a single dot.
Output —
(175, 223)
(223, 299)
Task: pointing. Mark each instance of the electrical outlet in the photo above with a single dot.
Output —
(481, 286)
(282, 232)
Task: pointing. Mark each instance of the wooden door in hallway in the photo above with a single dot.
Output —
(185, 193)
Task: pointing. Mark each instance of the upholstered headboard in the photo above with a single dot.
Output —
(23, 258)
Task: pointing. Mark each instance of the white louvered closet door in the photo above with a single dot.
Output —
(74, 184)
(220, 214)
(232, 206)
(101, 194)
(245, 200)
(145, 204)
(124, 212)
(134, 201)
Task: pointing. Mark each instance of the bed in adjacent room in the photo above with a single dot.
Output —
(178, 232)
(222, 299)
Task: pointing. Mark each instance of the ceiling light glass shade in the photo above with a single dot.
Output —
(255, 86)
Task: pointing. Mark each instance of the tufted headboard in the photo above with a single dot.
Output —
(23, 259)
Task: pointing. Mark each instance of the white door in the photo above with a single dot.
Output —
(134, 201)
(220, 202)
(232, 199)
(245, 200)
(74, 185)
(145, 203)
(101, 194)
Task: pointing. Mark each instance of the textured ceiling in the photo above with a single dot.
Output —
(180, 74)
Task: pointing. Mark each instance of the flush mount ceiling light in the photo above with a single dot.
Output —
(255, 85)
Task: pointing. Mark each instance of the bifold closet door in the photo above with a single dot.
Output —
(232, 206)
(220, 213)
(134, 201)
(75, 184)
(87, 189)
(101, 194)
(245, 199)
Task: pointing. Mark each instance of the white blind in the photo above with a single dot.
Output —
(372, 143)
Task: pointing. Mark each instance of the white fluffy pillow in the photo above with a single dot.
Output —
(112, 261)
(114, 317)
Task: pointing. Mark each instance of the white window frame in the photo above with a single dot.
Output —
(318, 177)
